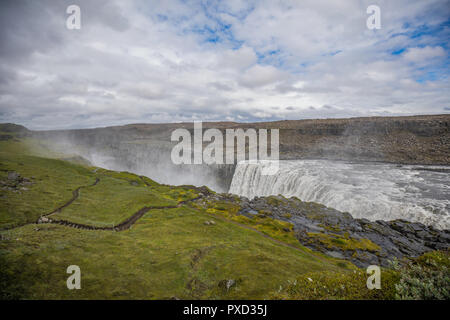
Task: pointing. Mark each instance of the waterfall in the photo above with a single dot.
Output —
(374, 191)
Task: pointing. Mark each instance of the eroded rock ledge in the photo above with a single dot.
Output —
(338, 234)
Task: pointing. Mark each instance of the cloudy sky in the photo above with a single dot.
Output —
(168, 61)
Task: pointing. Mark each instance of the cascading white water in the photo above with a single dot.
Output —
(373, 191)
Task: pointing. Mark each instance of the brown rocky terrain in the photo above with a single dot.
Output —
(145, 148)
(412, 139)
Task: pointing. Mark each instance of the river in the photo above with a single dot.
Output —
(375, 191)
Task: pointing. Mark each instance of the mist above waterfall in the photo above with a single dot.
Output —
(150, 158)
(375, 191)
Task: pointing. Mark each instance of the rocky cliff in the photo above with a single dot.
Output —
(144, 148)
(336, 233)
(413, 140)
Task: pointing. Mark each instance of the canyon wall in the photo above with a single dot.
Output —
(145, 148)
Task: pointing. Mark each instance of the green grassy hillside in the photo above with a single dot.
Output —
(173, 250)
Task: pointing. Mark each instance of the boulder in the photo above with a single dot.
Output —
(339, 235)
(12, 175)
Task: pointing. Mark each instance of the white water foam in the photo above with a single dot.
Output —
(375, 191)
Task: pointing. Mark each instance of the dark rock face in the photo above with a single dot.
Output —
(145, 148)
(15, 182)
(339, 235)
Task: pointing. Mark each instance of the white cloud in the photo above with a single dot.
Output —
(258, 76)
(424, 54)
(239, 59)
(139, 61)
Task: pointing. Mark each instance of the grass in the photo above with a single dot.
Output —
(53, 183)
(337, 286)
(119, 199)
(343, 242)
(276, 229)
(167, 253)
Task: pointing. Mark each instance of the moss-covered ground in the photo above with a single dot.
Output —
(167, 253)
